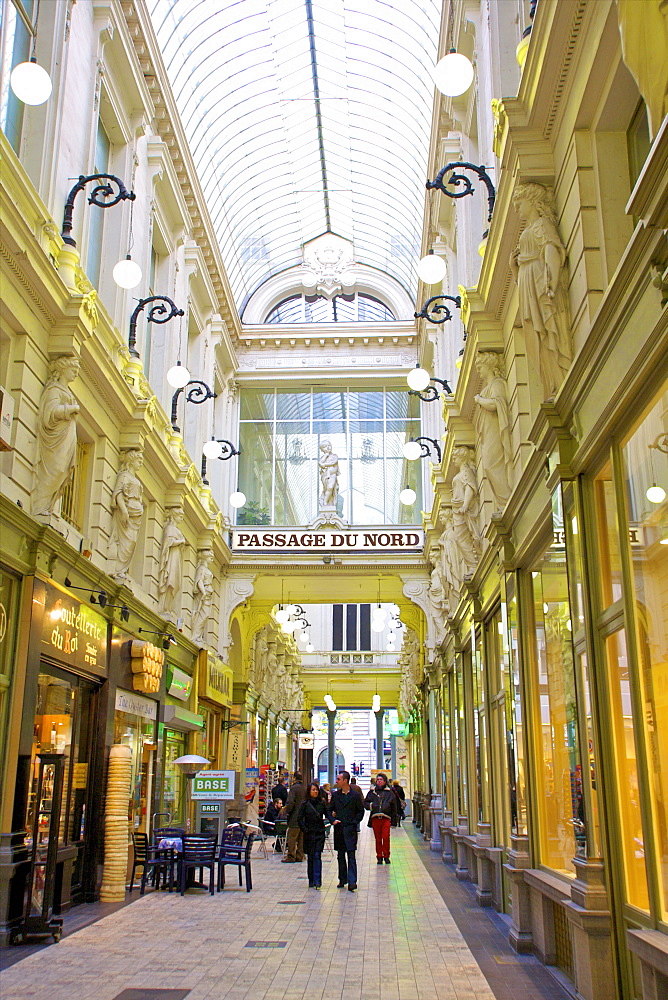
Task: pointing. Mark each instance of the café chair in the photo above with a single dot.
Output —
(239, 855)
(159, 865)
(198, 852)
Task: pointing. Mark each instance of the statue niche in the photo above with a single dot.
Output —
(56, 436)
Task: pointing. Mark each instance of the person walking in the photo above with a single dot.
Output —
(347, 809)
(382, 803)
(279, 791)
(401, 801)
(313, 814)
(295, 837)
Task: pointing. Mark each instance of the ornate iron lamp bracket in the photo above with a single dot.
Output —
(456, 178)
(199, 393)
(156, 314)
(426, 452)
(99, 191)
(425, 312)
(228, 449)
(431, 394)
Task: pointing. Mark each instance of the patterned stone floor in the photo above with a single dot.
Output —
(394, 938)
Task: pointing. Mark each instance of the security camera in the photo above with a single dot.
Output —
(327, 559)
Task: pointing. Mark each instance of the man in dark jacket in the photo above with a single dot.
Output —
(279, 791)
(295, 838)
(347, 809)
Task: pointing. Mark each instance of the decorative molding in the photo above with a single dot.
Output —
(27, 285)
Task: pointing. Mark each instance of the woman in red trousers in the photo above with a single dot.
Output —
(382, 803)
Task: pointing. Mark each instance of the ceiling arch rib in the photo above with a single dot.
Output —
(306, 105)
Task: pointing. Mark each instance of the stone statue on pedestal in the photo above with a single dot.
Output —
(329, 476)
(127, 511)
(466, 536)
(493, 423)
(56, 436)
(171, 561)
(538, 266)
(203, 597)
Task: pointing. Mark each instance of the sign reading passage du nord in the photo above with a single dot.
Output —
(213, 785)
(303, 540)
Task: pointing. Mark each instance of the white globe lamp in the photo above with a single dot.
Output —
(378, 625)
(31, 83)
(178, 376)
(431, 269)
(412, 451)
(127, 273)
(282, 615)
(379, 612)
(288, 627)
(237, 499)
(418, 378)
(407, 497)
(310, 647)
(453, 75)
(212, 449)
(656, 494)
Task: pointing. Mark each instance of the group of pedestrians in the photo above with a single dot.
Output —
(309, 810)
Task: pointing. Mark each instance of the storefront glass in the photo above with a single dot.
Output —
(628, 789)
(559, 774)
(646, 472)
(52, 733)
(480, 729)
(448, 795)
(514, 735)
(609, 565)
(139, 734)
(174, 792)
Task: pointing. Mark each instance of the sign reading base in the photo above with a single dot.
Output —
(213, 785)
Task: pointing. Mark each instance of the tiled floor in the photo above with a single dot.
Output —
(395, 938)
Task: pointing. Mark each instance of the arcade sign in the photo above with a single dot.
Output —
(305, 540)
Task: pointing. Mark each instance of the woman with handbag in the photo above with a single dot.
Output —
(383, 813)
(313, 815)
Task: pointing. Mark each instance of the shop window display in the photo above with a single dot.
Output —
(174, 794)
(139, 734)
(609, 566)
(514, 723)
(559, 774)
(645, 456)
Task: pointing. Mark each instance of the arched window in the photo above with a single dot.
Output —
(357, 308)
(339, 765)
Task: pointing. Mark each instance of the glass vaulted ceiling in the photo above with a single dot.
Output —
(306, 116)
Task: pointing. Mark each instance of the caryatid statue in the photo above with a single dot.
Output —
(493, 422)
(203, 592)
(56, 435)
(127, 511)
(538, 266)
(466, 536)
(171, 561)
(329, 476)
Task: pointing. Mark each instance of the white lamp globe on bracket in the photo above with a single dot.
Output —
(237, 499)
(309, 647)
(656, 494)
(379, 613)
(375, 703)
(407, 497)
(453, 74)
(212, 449)
(288, 627)
(412, 451)
(378, 625)
(31, 83)
(127, 273)
(418, 379)
(282, 615)
(178, 377)
(432, 269)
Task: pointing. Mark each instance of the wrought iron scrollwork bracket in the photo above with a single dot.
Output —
(199, 393)
(426, 451)
(158, 313)
(456, 179)
(228, 449)
(431, 393)
(429, 310)
(100, 190)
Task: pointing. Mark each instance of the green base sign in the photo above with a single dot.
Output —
(213, 785)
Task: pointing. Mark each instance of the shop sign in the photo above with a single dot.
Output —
(303, 540)
(179, 683)
(210, 807)
(306, 741)
(134, 704)
(80, 776)
(213, 785)
(216, 680)
(73, 633)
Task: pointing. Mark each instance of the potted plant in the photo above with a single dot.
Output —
(252, 513)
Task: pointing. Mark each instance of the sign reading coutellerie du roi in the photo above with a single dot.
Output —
(73, 633)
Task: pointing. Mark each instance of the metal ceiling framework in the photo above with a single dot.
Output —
(304, 117)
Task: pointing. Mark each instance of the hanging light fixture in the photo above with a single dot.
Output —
(127, 273)
(379, 612)
(212, 449)
(412, 451)
(309, 648)
(453, 75)
(237, 499)
(178, 376)
(378, 625)
(407, 497)
(282, 615)
(288, 627)
(656, 494)
(29, 81)
(375, 703)
(431, 269)
(418, 378)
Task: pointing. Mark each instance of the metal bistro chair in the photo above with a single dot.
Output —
(198, 852)
(160, 864)
(239, 856)
(259, 835)
(140, 846)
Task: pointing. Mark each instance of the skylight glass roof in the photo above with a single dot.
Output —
(306, 116)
